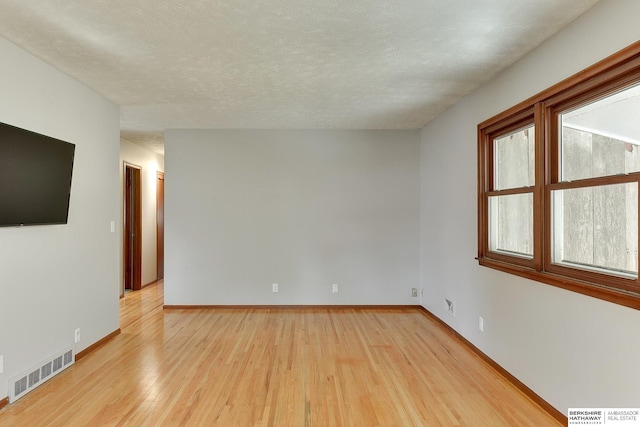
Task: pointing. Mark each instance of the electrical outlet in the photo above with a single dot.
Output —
(334, 288)
(414, 292)
(1, 363)
(481, 324)
(77, 335)
(274, 287)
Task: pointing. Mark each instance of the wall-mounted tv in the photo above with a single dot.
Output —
(35, 178)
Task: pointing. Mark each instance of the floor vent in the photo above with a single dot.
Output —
(32, 378)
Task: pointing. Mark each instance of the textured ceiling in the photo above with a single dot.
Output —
(306, 64)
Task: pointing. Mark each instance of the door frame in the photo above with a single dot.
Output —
(132, 205)
(159, 225)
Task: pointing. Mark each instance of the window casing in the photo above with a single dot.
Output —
(559, 180)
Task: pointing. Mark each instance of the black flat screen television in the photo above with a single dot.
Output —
(35, 178)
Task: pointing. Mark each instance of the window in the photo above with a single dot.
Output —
(558, 183)
(511, 202)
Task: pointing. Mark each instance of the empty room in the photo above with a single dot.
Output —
(413, 213)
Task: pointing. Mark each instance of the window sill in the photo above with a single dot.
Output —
(627, 299)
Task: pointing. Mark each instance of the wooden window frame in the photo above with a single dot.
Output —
(504, 127)
(615, 73)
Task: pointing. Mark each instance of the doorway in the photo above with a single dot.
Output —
(132, 228)
(160, 226)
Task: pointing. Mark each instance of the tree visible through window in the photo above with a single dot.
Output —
(597, 226)
(511, 215)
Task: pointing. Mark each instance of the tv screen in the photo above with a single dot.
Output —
(35, 178)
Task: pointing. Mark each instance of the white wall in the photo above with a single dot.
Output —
(304, 209)
(150, 163)
(56, 278)
(572, 350)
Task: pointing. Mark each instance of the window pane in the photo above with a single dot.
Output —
(514, 159)
(602, 138)
(511, 224)
(597, 228)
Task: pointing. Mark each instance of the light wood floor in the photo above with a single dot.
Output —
(276, 367)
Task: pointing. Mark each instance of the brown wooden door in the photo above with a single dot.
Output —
(160, 225)
(132, 229)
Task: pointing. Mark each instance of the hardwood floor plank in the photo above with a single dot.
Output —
(276, 367)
